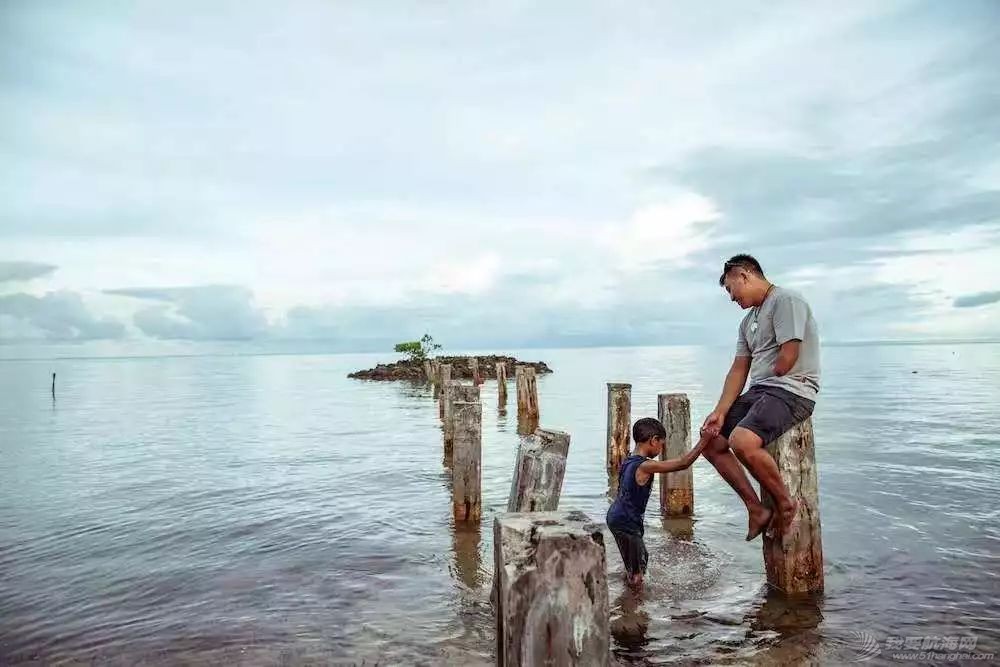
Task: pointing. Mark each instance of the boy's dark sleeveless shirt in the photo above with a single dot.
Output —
(626, 512)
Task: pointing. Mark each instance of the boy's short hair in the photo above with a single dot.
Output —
(742, 261)
(647, 428)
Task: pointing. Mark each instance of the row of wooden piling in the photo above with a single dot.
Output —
(460, 410)
(550, 586)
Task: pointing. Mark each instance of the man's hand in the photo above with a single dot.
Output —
(713, 423)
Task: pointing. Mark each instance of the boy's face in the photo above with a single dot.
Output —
(656, 443)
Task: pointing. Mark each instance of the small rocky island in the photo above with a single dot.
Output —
(413, 369)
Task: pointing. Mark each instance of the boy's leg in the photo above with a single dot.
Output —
(722, 458)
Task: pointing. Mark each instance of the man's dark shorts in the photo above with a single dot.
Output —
(767, 411)
(633, 550)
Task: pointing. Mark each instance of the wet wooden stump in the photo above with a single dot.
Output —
(794, 562)
(477, 379)
(539, 472)
(428, 370)
(527, 400)
(676, 488)
(550, 590)
(466, 482)
(502, 386)
(436, 377)
(454, 391)
(444, 379)
(619, 425)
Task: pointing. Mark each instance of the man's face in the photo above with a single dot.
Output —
(737, 284)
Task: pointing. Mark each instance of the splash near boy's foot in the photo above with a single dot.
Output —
(758, 522)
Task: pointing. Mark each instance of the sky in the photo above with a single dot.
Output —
(497, 174)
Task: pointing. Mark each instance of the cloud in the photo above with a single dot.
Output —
(206, 312)
(59, 316)
(980, 299)
(19, 271)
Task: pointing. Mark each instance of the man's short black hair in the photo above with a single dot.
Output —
(647, 428)
(743, 262)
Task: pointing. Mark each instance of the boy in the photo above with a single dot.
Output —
(635, 481)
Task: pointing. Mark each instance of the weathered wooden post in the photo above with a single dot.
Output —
(466, 481)
(474, 370)
(619, 425)
(676, 488)
(501, 385)
(445, 379)
(454, 391)
(527, 400)
(436, 375)
(428, 370)
(53, 386)
(550, 590)
(794, 562)
(539, 472)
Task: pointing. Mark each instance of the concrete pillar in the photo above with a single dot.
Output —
(428, 370)
(527, 400)
(550, 590)
(466, 481)
(436, 377)
(445, 378)
(619, 428)
(539, 472)
(474, 370)
(454, 391)
(502, 386)
(676, 488)
(794, 562)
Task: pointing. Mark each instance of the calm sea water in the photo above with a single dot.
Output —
(267, 510)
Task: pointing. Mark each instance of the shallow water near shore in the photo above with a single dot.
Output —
(265, 509)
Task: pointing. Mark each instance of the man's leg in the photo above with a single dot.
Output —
(749, 447)
(721, 457)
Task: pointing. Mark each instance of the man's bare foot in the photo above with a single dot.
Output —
(759, 520)
(784, 522)
(790, 519)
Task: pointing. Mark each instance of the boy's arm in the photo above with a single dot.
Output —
(673, 465)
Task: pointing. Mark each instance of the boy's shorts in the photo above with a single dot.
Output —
(767, 411)
(633, 551)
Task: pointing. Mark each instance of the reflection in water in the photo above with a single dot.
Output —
(465, 540)
(629, 622)
(792, 622)
(680, 528)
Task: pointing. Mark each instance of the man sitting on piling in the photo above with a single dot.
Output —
(778, 348)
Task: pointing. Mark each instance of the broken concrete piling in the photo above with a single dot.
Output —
(539, 472)
(550, 589)
(444, 378)
(527, 400)
(454, 391)
(502, 386)
(794, 562)
(466, 457)
(676, 488)
(619, 426)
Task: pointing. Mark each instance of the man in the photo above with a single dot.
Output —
(778, 348)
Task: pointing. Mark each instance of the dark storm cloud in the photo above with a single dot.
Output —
(205, 312)
(58, 315)
(17, 271)
(979, 299)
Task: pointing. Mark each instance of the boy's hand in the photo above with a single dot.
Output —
(713, 424)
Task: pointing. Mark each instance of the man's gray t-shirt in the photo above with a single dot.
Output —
(783, 316)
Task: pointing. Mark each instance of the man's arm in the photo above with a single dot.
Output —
(735, 379)
(790, 316)
(788, 354)
(648, 468)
